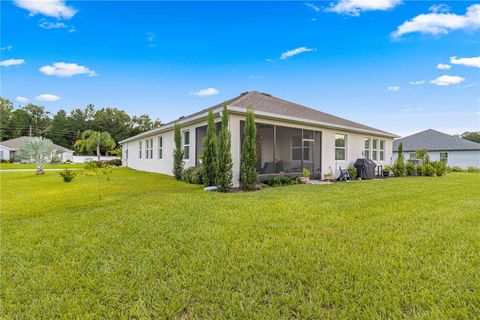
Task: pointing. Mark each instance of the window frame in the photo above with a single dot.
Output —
(445, 157)
(292, 148)
(186, 147)
(344, 148)
(160, 147)
(140, 151)
(381, 146)
(375, 145)
(366, 151)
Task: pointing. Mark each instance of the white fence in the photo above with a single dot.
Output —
(84, 159)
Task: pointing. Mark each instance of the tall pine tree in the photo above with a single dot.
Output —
(178, 153)
(209, 155)
(248, 167)
(224, 157)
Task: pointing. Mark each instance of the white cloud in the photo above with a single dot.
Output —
(417, 83)
(446, 80)
(473, 84)
(354, 7)
(151, 39)
(9, 47)
(62, 69)
(437, 8)
(21, 99)
(12, 62)
(288, 54)
(55, 25)
(51, 8)
(205, 92)
(47, 97)
(440, 22)
(443, 66)
(394, 88)
(312, 6)
(469, 62)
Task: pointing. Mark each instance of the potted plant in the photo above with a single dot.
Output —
(328, 177)
(386, 171)
(305, 176)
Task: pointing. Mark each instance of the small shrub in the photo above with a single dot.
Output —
(455, 169)
(428, 170)
(410, 169)
(352, 172)
(67, 175)
(194, 175)
(281, 181)
(440, 167)
(420, 169)
(114, 162)
(473, 169)
(305, 172)
(55, 159)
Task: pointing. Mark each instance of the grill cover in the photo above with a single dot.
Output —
(365, 168)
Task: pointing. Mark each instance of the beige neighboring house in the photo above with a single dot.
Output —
(289, 137)
(9, 148)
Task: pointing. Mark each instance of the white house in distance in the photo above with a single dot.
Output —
(9, 148)
(289, 138)
(455, 151)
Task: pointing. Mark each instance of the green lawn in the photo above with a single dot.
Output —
(157, 248)
(34, 166)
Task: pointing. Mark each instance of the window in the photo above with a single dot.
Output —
(444, 156)
(375, 149)
(186, 145)
(413, 156)
(139, 149)
(366, 152)
(126, 154)
(160, 148)
(340, 147)
(151, 148)
(382, 150)
(297, 148)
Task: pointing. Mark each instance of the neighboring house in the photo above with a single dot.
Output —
(453, 150)
(9, 148)
(289, 137)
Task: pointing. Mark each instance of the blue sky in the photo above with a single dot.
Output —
(398, 66)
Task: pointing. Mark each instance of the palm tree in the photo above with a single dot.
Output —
(38, 150)
(94, 140)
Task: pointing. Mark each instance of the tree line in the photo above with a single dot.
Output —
(64, 128)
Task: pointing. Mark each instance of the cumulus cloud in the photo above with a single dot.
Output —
(205, 92)
(393, 88)
(21, 99)
(469, 62)
(47, 97)
(11, 62)
(417, 83)
(443, 66)
(354, 7)
(439, 8)
(446, 80)
(288, 54)
(52, 8)
(62, 69)
(313, 7)
(436, 23)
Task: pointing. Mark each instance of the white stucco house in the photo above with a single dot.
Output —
(289, 138)
(455, 151)
(9, 148)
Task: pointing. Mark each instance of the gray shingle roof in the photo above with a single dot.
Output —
(16, 143)
(434, 141)
(266, 103)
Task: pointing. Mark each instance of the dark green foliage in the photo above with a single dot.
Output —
(428, 170)
(473, 169)
(420, 169)
(472, 136)
(224, 157)
(114, 162)
(67, 175)
(410, 169)
(399, 166)
(440, 167)
(455, 169)
(193, 175)
(178, 153)
(209, 154)
(352, 171)
(248, 167)
(282, 181)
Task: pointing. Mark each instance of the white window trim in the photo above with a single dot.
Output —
(381, 154)
(160, 147)
(365, 150)
(140, 149)
(344, 148)
(186, 145)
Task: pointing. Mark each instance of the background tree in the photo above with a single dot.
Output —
(178, 153)
(224, 158)
(94, 140)
(472, 136)
(209, 155)
(59, 130)
(248, 167)
(399, 166)
(422, 154)
(6, 108)
(36, 149)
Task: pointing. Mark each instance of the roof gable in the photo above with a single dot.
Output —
(435, 141)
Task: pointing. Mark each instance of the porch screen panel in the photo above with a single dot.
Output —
(265, 147)
(288, 150)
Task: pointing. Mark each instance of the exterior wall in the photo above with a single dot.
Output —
(354, 145)
(66, 156)
(4, 153)
(462, 159)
